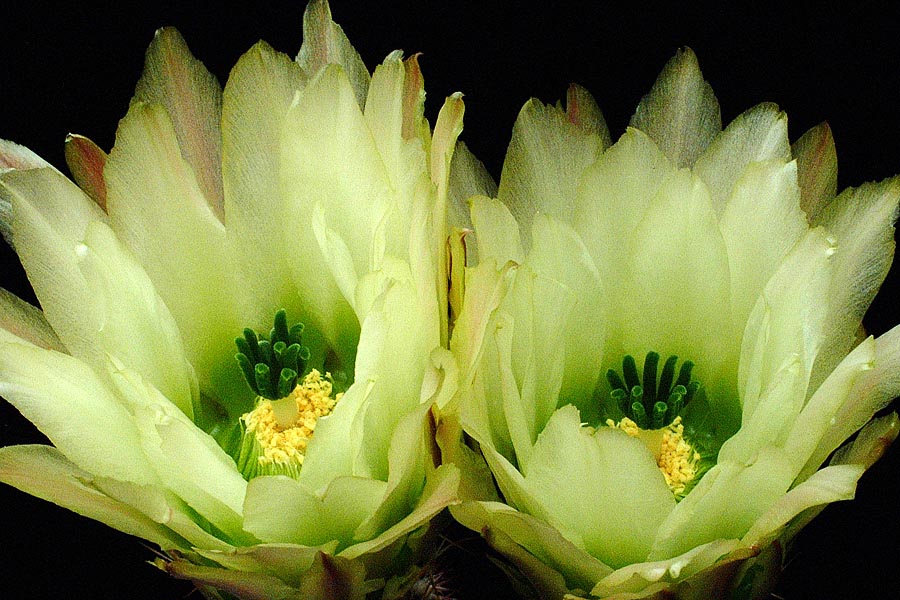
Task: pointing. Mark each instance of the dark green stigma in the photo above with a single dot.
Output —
(650, 402)
(271, 367)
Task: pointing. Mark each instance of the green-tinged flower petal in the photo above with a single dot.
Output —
(676, 293)
(762, 221)
(44, 472)
(134, 324)
(439, 493)
(73, 407)
(193, 100)
(862, 221)
(187, 460)
(559, 254)
(613, 198)
(871, 392)
(499, 237)
(288, 562)
(743, 491)
(305, 517)
(815, 418)
(50, 217)
(615, 497)
(329, 159)
(681, 113)
(328, 578)
(546, 157)
(406, 471)
(581, 570)
(160, 214)
(816, 169)
(468, 177)
(27, 322)
(758, 134)
(14, 157)
(409, 334)
(256, 100)
(324, 43)
(830, 484)
(781, 341)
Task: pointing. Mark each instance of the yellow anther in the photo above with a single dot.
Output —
(285, 443)
(675, 457)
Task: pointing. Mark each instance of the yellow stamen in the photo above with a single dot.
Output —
(675, 457)
(285, 443)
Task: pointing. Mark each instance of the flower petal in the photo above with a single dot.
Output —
(781, 341)
(497, 231)
(871, 392)
(757, 134)
(816, 169)
(613, 197)
(73, 407)
(44, 472)
(256, 100)
(27, 322)
(86, 162)
(862, 222)
(681, 113)
(324, 43)
(580, 569)
(828, 485)
(675, 296)
(159, 213)
(307, 518)
(547, 155)
(193, 100)
(761, 223)
(615, 496)
(468, 177)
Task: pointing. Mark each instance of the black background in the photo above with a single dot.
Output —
(72, 68)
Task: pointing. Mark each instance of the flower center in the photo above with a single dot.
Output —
(274, 446)
(651, 408)
(276, 432)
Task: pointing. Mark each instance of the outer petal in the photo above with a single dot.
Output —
(324, 43)
(758, 134)
(193, 99)
(86, 162)
(160, 213)
(44, 472)
(546, 157)
(816, 169)
(580, 569)
(680, 113)
(50, 216)
(761, 223)
(27, 322)
(73, 407)
(497, 231)
(862, 222)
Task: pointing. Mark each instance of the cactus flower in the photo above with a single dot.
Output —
(299, 211)
(660, 345)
